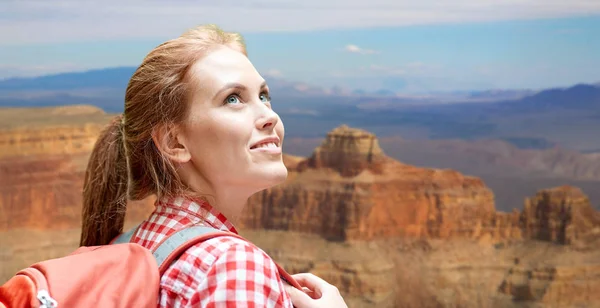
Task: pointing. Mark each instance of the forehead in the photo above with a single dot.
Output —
(223, 66)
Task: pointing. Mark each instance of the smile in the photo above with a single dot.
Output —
(266, 145)
(270, 145)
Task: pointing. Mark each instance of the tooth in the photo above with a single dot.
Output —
(266, 145)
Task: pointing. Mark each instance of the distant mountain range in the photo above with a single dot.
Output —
(118, 77)
(104, 82)
(567, 117)
(500, 94)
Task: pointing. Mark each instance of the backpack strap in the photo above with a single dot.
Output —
(178, 242)
(174, 245)
(125, 237)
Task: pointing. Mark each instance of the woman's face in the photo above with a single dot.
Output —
(233, 136)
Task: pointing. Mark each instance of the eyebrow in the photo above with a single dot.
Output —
(235, 85)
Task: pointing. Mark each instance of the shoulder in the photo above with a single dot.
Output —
(225, 269)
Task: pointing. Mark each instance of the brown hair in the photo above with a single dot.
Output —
(125, 164)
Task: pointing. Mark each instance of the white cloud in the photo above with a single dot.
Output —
(355, 49)
(39, 21)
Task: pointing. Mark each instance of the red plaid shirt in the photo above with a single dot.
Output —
(220, 272)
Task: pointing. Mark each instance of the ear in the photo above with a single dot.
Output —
(167, 139)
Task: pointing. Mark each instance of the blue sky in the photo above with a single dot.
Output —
(406, 47)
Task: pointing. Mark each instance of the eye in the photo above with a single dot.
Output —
(232, 99)
(264, 97)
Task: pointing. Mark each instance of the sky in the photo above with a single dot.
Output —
(400, 45)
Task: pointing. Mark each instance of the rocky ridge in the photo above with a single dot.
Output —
(350, 181)
(43, 155)
(561, 215)
(50, 131)
(347, 151)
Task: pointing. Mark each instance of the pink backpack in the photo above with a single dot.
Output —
(121, 274)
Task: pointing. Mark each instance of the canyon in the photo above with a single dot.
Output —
(437, 231)
(387, 233)
(513, 174)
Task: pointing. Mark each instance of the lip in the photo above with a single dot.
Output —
(275, 150)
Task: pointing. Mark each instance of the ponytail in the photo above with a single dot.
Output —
(105, 188)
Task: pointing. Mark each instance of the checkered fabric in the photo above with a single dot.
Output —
(220, 272)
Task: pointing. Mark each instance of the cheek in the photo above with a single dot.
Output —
(232, 132)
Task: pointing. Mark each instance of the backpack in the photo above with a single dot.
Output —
(121, 274)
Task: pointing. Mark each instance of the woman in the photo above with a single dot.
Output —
(198, 132)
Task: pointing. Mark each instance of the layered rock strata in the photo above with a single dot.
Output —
(349, 189)
(560, 215)
(43, 155)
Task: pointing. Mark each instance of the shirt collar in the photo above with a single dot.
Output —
(201, 209)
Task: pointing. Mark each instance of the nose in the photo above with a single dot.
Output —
(267, 119)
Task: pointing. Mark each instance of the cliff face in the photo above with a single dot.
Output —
(349, 189)
(43, 155)
(39, 193)
(348, 151)
(50, 131)
(67, 140)
(561, 215)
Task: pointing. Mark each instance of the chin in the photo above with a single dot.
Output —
(272, 175)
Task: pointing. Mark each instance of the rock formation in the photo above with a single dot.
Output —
(43, 155)
(39, 193)
(49, 131)
(349, 189)
(349, 151)
(560, 215)
(555, 285)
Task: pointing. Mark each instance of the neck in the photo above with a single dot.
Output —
(229, 200)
